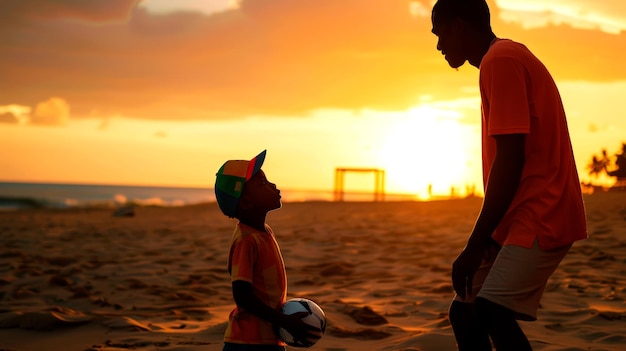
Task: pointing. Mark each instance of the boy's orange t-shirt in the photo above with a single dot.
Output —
(519, 96)
(255, 257)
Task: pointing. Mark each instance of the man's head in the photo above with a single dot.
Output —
(461, 26)
(231, 179)
(474, 12)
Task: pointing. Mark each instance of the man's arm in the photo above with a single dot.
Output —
(503, 182)
(504, 179)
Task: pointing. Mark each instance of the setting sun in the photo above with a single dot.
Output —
(430, 149)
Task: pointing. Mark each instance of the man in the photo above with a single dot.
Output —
(533, 208)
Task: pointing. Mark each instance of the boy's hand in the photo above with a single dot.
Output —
(295, 326)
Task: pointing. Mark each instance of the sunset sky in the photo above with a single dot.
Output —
(162, 92)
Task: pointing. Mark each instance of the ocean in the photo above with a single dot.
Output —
(15, 195)
(40, 195)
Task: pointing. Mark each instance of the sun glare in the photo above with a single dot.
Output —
(428, 153)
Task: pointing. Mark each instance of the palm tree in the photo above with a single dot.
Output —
(619, 170)
(604, 164)
(599, 165)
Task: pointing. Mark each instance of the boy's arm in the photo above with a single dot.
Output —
(246, 299)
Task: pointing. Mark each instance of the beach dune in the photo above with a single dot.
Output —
(83, 279)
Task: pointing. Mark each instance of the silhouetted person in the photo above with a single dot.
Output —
(533, 208)
(255, 262)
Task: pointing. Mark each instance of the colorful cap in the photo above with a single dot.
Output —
(230, 181)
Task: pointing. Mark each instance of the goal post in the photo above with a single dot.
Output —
(379, 182)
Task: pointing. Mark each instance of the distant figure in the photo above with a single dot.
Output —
(255, 263)
(533, 208)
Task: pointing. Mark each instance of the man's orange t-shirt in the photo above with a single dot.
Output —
(519, 96)
(255, 257)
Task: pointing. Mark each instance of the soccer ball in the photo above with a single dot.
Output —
(316, 318)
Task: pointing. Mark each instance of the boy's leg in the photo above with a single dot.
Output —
(469, 333)
(502, 326)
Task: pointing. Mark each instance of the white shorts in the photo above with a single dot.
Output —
(516, 278)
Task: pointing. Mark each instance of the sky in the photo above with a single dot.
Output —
(161, 92)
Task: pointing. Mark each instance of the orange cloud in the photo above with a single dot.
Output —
(54, 111)
(607, 15)
(265, 57)
(14, 114)
(207, 7)
(92, 11)
(8, 117)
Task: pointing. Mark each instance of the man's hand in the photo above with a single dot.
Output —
(464, 268)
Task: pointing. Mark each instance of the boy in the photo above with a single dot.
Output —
(533, 208)
(255, 263)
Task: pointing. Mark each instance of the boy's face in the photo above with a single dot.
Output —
(261, 194)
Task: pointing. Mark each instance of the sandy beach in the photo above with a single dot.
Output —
(82, 279)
